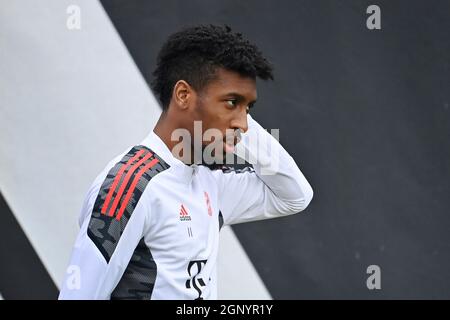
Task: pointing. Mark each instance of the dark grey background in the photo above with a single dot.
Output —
(366, 116)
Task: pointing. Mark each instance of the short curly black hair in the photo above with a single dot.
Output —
(193, 54)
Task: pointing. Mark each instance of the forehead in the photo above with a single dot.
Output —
(226, 82)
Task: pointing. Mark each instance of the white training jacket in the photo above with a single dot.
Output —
(150, 223)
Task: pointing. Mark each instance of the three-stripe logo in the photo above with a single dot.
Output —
(122, 189)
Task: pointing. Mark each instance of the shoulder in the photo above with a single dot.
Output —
(120, 187)
(125, 181)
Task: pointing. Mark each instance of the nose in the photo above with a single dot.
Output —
(240, 122)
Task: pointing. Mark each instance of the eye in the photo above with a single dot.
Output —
(232, 102)
(250, 106)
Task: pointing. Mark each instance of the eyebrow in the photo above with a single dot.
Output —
(239, 96)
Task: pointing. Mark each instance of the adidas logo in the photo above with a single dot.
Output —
(184, 215)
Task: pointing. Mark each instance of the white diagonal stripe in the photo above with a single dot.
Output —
(237, 277)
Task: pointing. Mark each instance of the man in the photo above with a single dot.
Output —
(150, 221)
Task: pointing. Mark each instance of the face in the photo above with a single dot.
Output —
(223, 104)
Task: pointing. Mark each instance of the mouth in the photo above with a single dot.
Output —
(230, 142)
(229, 147)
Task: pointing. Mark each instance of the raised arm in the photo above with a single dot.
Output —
(276, 187)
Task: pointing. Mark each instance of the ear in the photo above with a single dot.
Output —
(182, 94)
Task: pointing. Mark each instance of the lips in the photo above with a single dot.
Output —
(229, 147)
(231, 141)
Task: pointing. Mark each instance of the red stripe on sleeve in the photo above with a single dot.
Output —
(117, 179)
(133, 186)
(125, 182)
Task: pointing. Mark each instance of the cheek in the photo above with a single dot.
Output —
(213, 113)
(220, 121)
(214, 116)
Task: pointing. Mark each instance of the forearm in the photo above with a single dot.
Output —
(276, 168)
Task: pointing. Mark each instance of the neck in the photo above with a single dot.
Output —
(164, 127)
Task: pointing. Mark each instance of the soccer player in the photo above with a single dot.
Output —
(150, 221)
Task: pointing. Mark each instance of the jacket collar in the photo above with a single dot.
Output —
(183, 171)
